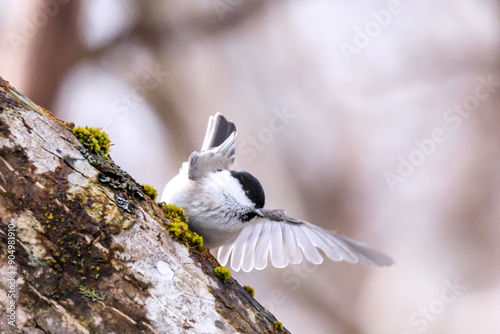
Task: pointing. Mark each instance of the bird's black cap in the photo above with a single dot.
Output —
(252, 187)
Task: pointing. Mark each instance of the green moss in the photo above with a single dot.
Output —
(223, 273)
(178, 227)
(173, 213)
(250, 290)
(92, 294)
(278, 325)
(96, 140)
(150, 191)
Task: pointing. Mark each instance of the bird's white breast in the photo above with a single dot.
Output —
(211, 204)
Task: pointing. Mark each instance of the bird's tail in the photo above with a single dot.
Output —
(218, 131)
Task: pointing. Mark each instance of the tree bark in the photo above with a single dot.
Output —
(83, 250)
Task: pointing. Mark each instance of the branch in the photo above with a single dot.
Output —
(85, 249)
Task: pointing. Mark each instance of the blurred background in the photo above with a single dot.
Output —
(377, 119)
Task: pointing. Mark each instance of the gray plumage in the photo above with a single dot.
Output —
(212, 160)
(218, 150)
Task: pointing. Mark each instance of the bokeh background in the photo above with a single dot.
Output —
(378, 119)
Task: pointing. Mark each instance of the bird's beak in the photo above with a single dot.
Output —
(259, 212)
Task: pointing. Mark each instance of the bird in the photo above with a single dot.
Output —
(226, 207)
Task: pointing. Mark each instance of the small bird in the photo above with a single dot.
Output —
(226, 208)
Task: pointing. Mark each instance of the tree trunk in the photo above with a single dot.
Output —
(83, 249)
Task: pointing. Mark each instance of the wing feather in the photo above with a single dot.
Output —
(366, 254)
(330, 248)
(278, 256)
(240, 243)
(249, 252)
(262, 246)
(287, 241)
(307, 246)
(225, 251)
(290, 244)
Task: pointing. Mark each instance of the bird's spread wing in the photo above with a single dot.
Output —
(286, 240)
(218, 149)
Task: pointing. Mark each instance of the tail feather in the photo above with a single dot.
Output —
(218, 130)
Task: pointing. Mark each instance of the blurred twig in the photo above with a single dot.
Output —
(55, 49)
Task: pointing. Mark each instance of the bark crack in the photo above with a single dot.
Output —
(59, 308)
(37, 326)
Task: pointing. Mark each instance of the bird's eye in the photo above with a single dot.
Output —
(247, 192)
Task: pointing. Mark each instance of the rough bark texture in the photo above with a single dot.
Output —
(82, 225)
